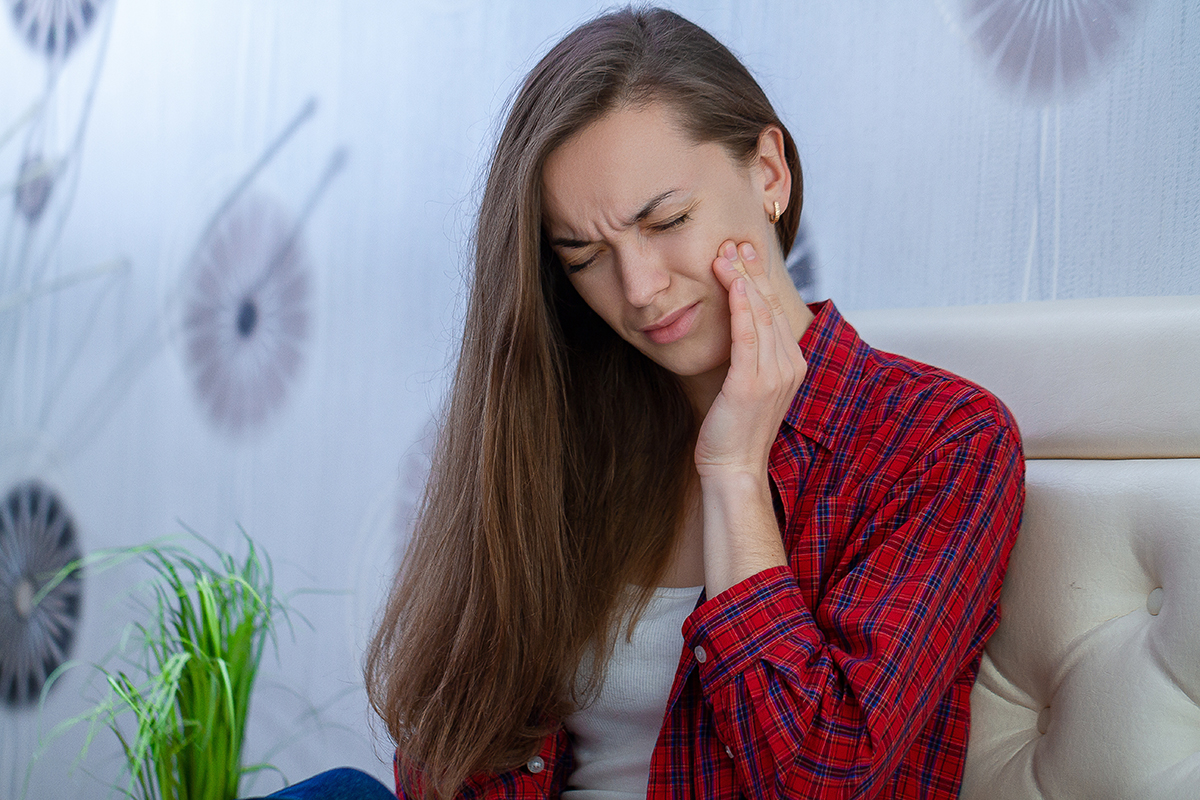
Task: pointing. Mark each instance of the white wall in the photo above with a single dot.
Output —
(934, 176)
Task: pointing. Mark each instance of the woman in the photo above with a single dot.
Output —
(665, 550)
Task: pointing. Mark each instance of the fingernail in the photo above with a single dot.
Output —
(730, 251)
(740, 285)
(724, 263)
(748, 253)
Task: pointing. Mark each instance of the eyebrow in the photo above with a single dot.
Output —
(646, 210)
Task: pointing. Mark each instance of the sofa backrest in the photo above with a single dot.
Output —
(1090, 687)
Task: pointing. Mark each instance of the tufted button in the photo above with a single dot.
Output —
(535, 765)
(1043, 723)
(701, 656)
(1154, 602)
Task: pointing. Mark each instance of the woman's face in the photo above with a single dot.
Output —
(636, 212)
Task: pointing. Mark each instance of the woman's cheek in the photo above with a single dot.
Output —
(702, 249)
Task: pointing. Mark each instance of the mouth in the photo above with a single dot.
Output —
(672, 327)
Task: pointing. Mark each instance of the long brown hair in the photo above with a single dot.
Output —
(562, 465)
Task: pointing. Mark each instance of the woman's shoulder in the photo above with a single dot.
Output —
(900, 392)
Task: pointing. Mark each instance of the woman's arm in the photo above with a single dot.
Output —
(741, 535)
(826, 701)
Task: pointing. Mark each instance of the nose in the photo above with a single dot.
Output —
(643, 275)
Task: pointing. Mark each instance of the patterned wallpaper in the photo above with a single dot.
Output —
(231, 260)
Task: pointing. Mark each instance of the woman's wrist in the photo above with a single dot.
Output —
(741, 535)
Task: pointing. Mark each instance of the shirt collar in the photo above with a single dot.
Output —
(835, 356)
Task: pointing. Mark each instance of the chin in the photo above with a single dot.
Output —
(692, 365)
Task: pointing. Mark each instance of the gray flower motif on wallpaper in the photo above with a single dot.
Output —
(34, 183)
(37, 625)
(53, 27)
(1047, 49)
(246, 313)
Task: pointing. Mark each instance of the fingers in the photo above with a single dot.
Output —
(745, 350)
(741, 259)
(728, 264)
(772, 336)
(735, 260)
(760, 339)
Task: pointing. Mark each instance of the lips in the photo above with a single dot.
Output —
(674, 326)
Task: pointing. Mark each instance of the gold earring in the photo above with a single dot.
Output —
(773, 218)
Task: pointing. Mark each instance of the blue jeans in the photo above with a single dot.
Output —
(342, 783)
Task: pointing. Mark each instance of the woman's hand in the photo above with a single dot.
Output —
(765, 370)
(741, 536)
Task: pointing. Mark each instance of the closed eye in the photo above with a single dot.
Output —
(671, 224)
(573, 268)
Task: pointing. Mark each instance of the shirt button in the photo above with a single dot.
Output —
(728, 752)
(536, 765)
(701, 656)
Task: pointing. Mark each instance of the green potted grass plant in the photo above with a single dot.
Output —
(180, 706)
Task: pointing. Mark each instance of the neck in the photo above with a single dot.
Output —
(702, 390)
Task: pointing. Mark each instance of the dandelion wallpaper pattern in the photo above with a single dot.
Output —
(37, 617)
(246, 315)
(234, 237)
(1048, 49)
(52, 26)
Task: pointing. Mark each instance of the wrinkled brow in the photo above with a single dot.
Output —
(646, 210)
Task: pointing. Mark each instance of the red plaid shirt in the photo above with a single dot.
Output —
(847, 674)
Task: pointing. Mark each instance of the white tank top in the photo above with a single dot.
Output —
(614, 736)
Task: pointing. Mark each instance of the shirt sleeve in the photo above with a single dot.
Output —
(825, 702)
(545, 775)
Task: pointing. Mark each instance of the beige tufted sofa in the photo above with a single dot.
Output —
(1090, 687)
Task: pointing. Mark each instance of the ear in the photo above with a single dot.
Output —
(772, 164)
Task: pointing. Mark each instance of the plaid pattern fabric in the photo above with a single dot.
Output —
(848, 673)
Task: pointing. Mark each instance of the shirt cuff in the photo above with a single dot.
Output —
(544, 775)
(538, 776)
(729, 632)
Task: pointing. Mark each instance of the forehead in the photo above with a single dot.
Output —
(609, 170)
